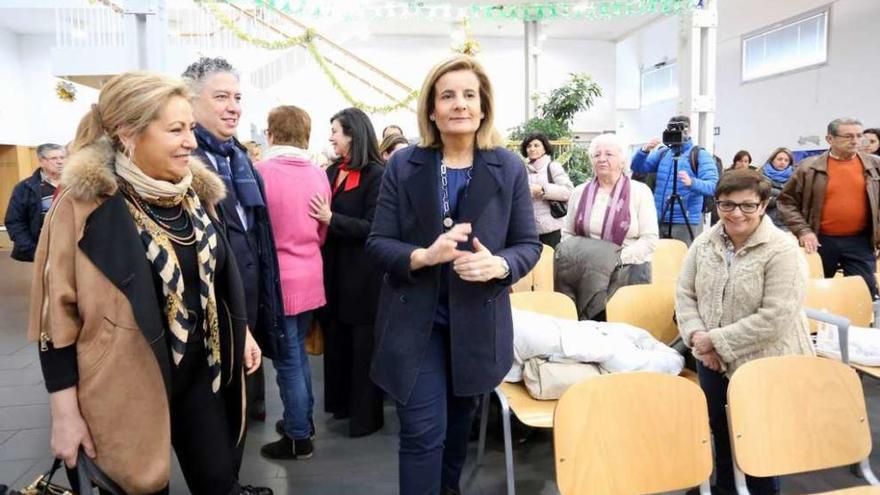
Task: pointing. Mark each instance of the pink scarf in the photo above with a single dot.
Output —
(617, 217)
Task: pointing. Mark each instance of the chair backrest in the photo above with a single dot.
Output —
(814, 265)
(545, 302)
(541, 276)
(667, 260)
(794, 414)
(631, 433)
(525, 284)
(844, 296)
(648, 306)
(544, 270)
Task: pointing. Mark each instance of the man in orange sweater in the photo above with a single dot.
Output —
(832, 204)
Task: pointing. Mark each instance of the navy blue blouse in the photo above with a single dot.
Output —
(457, 180)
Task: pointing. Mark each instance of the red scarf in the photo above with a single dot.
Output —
(352, 180)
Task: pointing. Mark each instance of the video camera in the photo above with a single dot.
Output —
(674, 134)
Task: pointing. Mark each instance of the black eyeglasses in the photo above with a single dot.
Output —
(729, 206)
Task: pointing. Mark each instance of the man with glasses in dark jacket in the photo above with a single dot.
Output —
(31, 199)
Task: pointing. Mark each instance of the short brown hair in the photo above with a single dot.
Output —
(743, 180)
(487, 136)
(290, 125)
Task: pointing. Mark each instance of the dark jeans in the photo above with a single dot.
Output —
(854, 254)
(680, 232)
(434, 425)
(551, 238)
(294, 377)
(714, 385)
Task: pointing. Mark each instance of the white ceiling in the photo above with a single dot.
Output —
(38, 17)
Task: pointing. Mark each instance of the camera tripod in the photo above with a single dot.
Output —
(675, 198)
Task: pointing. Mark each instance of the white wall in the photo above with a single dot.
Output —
(13, 120)
(409, 58)
(762, 115)
(30, 111)
(653, 44)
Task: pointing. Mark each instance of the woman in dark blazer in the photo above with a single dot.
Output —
(350, 280)
(454, 228)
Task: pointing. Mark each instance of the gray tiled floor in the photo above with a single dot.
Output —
(341, 466)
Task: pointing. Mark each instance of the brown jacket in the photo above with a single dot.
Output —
(801, 200)
(93, 288)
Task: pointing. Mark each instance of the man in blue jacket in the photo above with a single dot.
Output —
(31, 199)
(693, 185)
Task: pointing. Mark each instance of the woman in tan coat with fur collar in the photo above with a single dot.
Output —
(136, 302)
(739, 298)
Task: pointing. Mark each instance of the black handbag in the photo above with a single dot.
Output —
(558, 209)
(88, 477)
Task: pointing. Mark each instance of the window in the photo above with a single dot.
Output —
(660, 83)
(794, 44)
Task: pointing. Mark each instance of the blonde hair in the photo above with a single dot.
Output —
(487, 136)
(129, 101)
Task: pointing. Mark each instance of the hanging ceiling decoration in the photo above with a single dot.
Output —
(528, 11)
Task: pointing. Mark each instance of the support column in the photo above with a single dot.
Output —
(145, 34)
(697, 55)
(531, 50)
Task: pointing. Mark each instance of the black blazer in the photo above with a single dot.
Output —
(408, 216)
(256, 260)
(351, 280)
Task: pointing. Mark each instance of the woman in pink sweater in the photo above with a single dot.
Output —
(292, 180)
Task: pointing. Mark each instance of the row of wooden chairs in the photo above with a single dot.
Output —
(667, 261)
(634, 433)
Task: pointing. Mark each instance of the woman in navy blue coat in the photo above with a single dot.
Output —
(453, 229)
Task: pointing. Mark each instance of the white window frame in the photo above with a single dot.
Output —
(670, 94)
(783, 69)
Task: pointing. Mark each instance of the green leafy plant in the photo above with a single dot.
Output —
(556, 114)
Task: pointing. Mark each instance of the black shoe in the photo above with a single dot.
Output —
(279, 428)
(255, 490)
(715, 490)
(286, 448)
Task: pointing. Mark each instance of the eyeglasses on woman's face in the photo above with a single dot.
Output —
(745, 207)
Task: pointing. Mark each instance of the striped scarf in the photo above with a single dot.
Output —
(161, 255)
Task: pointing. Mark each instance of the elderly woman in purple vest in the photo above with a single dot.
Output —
(613, 208)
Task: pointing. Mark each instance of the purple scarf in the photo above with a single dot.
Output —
(617, 217)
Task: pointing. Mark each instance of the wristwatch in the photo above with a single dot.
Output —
(505, 266)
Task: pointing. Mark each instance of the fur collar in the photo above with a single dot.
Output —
(89, 175)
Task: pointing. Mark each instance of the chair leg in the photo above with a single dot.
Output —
(484, 422)
(868, 473)
(508, 442)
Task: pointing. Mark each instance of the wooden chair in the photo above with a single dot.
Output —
(648, 306)
(794, 414)
(514, 396)
(814, 265)
(541, 276)
(667, 260)
(844, 296)
(630, 433)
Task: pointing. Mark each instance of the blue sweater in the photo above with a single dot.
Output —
(660, 161)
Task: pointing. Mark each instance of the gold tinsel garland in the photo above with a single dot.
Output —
(306, 40)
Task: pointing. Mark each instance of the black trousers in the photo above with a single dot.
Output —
(348, 389)
(199, 428)
(854, 254)
(551, 238)
(714, 385)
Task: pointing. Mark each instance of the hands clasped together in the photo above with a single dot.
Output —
(705, 351)
(477, 266)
